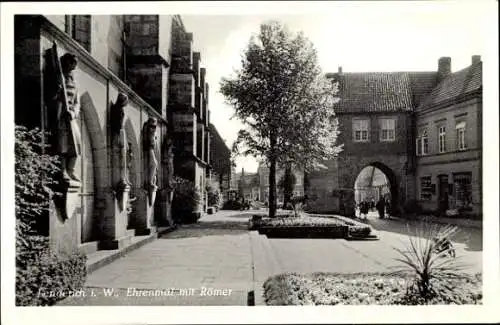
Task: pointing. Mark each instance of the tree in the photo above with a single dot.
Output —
(285, 103)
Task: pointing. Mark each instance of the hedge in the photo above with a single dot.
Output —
(42, 277)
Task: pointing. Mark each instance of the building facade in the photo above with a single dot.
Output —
(126, 100)
(422, 130)
(449, 142)
(188, 109)
(220, 159)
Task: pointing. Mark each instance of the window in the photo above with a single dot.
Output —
(360, 130)
(81, 27)
(442, 139)
(387, 129)
(422, 142)
(425, 188)
(461, 143)
(462, 183)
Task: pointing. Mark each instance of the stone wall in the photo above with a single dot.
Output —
(97, 214)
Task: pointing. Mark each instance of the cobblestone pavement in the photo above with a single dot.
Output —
(208, 263)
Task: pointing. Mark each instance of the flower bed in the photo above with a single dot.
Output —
(302, 221)
(357, 230)
(309, 226)
(364, 289)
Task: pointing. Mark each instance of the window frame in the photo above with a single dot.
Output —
(461, 131)
(361, 130)
(462, 191)
(422, 142)
(75, 30)
(442, 139)
(382, 129)
(428, 194)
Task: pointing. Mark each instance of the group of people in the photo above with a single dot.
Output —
(365, 206)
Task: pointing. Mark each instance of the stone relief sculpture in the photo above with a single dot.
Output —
(119, 140)
(67, 104)
(169, 156)
(150, 143)
(63, 108)
(130, 159)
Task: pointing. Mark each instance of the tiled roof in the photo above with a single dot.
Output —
(456, 84)
(421, 84)
(374, 92)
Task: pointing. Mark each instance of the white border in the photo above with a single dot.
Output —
(348, 314)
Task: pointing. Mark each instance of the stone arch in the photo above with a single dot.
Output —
(391, 177)
(97, 139)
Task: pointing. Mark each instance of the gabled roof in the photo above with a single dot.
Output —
(375, 92)
(455, 85)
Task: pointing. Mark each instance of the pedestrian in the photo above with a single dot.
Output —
(381, 207)
(364, 209)
(388, 207)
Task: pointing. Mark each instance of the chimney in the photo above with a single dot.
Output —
(444, 67)
(340, 70)
(475, 59)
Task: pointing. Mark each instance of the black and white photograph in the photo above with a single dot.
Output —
(249, 156)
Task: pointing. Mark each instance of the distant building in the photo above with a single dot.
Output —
(220, 160)
(263, 172)
(449, 141)
(188, 110)
(248, 185)
(422, 130)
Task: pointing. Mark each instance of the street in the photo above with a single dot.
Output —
(211, 262)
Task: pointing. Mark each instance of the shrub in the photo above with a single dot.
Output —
(42, 277)
(186, 201)
(297, 203)
(39, 271)
(35, 177)
(428, 265)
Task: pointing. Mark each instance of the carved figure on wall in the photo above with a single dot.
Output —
(119, 138)
(130, 158)
(67, 104)
(169, 156)
(150, 143)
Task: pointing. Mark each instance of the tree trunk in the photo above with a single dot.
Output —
(272, 176)
(272, 188)
(288, 186)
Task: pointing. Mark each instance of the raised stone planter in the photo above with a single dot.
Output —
(336, 231)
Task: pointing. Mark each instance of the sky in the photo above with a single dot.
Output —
(386, 36)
